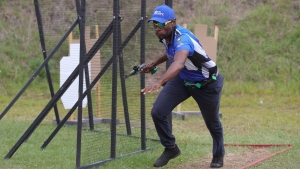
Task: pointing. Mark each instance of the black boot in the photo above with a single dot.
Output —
(167, 155)
(217, 162)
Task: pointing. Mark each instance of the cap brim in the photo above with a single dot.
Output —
(157, 19)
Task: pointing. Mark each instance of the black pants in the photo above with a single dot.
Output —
(208, 99)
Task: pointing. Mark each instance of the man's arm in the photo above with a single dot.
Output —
(178, 64)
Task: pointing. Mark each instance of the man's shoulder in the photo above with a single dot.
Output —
(183, 32)
(182, 37)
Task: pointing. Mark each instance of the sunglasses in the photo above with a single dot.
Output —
(160, 25)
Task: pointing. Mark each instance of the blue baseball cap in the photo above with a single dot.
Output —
(162, 14)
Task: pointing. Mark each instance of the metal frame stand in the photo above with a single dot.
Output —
(115, 28)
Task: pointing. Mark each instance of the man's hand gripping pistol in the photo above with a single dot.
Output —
(137, 69)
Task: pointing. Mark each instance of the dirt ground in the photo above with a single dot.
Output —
(234, 160)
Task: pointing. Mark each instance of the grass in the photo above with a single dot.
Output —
(253, 117)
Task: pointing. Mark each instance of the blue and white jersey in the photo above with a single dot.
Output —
(198, 65)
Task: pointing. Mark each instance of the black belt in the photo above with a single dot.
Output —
(204, 83)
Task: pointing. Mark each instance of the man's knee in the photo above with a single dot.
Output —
(214, 126)
(154, 113)
(157, 113)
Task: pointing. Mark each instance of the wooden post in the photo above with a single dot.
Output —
(216, 32)
(70, 39)
(98, 87)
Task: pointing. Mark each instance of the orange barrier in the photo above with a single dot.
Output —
(289, 146)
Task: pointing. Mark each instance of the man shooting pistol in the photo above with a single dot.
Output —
(191, 73)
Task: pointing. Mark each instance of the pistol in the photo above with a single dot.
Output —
(137, 69)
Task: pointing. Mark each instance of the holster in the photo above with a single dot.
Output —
(204, 83)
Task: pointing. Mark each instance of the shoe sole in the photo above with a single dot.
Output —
(170, 159)
(176, 155)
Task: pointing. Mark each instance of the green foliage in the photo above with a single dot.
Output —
(2, 4)
(260, 48)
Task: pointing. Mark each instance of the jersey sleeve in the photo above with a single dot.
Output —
(183, 42)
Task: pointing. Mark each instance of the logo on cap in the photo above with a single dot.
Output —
(158, 13)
